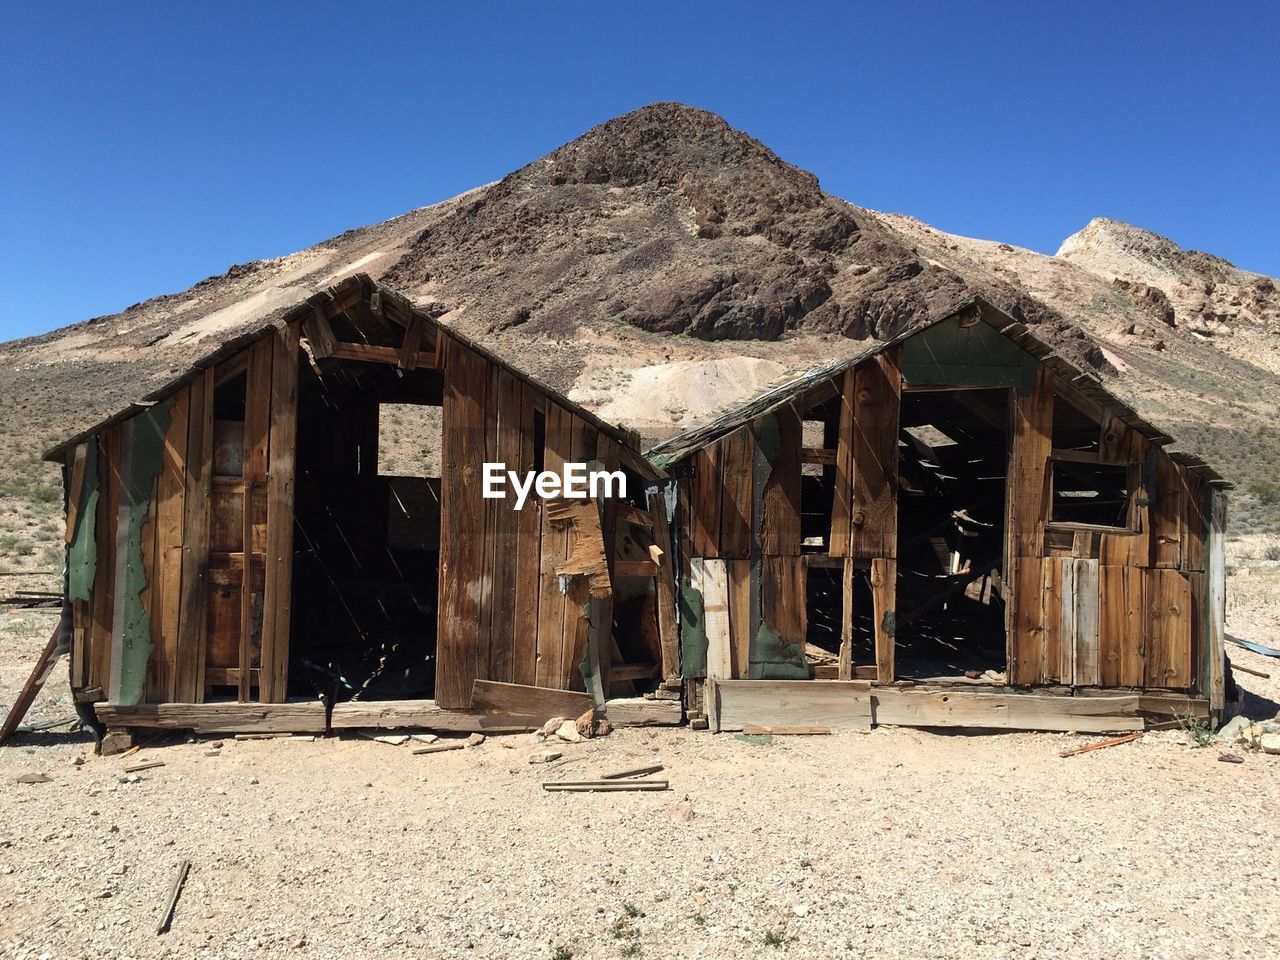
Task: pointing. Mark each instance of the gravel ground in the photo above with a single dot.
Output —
(898, 843)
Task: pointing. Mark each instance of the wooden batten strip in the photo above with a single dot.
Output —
(192, 617)
(842, 498)
(557, 449)
(281, 452)
(528, 547)
(668, 632)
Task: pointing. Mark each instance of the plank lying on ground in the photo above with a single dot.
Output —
(1015, 711)
(605, 786)
(785, 731)
(440, 748)
(175, 891)
(139, 767)
(1249, 670)
(1115, 742)
(27, 695)
(518, 699)
(633, 772)
(834, 704)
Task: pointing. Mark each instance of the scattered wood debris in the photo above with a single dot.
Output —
(632, 772)
(139, 767)
(1102, 745)
(440, 747)
(175, 891)
(603, 786)
(1249, 670)
(787, 731)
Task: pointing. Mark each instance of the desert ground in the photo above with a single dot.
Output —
(890, 844)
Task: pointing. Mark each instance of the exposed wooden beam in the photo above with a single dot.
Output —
(371, 354)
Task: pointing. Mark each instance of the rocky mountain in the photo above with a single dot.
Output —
(664, 265)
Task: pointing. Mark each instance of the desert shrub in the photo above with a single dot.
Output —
(1266, 492)
(1272, 552)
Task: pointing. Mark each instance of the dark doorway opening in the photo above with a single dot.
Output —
(954, 451)
(367, 533)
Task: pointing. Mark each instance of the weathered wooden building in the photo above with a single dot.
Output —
(244, 553)
(959, 527)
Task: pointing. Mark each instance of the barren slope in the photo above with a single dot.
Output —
(663, 266)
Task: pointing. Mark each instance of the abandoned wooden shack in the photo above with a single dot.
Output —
(250, 548)
(957, 528)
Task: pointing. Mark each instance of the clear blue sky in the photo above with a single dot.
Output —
(146, 146)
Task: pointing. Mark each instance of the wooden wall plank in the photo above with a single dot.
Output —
(777, 651)
(493, 657)
(1167, 628)
(277, 600)
(528, 549)
(574, 635)
(668, 631)
(842, 497)
(737, 452)
(192, 615)
(462, 527)
(257, 432)
(1057, 597)
(780, 440)
(1085, 574)
(556, 545)
(1195, 521)
(738, 579)
(1032, 441)
(166, 586)
(1122, 648)
(704, 501)
(1027, 635)
(715, 608)
(876, 411)
(1167, 510)
(845, 662)
(1216, 605)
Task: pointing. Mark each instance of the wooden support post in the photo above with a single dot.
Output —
(884, 589)
(846, 621)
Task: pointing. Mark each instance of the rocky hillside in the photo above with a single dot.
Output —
(664, 265)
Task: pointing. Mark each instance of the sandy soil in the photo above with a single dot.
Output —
(890, 844)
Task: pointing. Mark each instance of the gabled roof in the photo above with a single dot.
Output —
(357, 287)
(1087, 385)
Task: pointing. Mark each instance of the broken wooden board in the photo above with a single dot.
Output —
(835, 704)
(639, 712)
(1014, 711)
(27, 695)
(490, 696)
